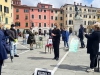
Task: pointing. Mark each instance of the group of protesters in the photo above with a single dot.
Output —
(93, 40)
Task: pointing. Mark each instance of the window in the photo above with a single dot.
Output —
(32, 16)
(17, 10)
(5, 0)
(80, 9)
(32, 9)
(6, 9)
(66, 8)
(89, 16)
(6, 20)
(50, 7)
(61, 18)
(26, 25)
(39, 24)
(0, 19)
(17, 24)
(84, 9)
(61, 25)
(0, 7)
(70, 22)
(51, 24)
(94, 17)
(17, 16)
(84, 22)
(44, 10)
(66, 22)
(70, 8)
(51, 17)
(32, 24)
(44, 24)
(66, 15)
(98, 17)
(60, 12)
(55, 18)
(43, 6)
(26, 10)
(56, 11)
(26, 17)
(39, 16)
(39, 10)
(51, 11)
(44, 16)
(70, 15)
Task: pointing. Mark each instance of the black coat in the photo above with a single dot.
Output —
(31, 38)
(57, 33)
(93, 42)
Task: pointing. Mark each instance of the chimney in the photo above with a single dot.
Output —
(77, 3)
(74, 3)
(91, 5)
(85, 5)
(80, 4)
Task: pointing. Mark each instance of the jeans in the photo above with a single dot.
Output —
(13, 48)
(66, 44)
(25, 41)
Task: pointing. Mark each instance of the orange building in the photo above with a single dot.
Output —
(41, 16)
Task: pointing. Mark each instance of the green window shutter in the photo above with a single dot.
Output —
(6, 20)
(26, 24)
(0, 19)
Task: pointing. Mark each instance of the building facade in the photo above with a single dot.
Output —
(98, 15)
(40, 17)
(88, 14)
(6, 12)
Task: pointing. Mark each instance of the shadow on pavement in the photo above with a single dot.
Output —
(39, 58)
(22, 49)
(72, 67)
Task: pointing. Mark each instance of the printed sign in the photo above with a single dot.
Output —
(39, 71)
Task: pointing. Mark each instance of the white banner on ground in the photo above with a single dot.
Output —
(41, 71)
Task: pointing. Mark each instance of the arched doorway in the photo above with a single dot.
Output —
(70, 30)
(40, 32)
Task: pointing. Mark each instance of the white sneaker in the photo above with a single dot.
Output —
(90, 70)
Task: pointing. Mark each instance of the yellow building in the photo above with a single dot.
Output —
(98, 15)
(6, 12)
(58, 16)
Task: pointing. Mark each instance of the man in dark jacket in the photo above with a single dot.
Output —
(81, 36)
(12, 42)
(93, 47)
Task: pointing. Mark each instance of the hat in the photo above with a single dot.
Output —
(12, 25)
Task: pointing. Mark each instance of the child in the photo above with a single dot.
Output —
(49, 44)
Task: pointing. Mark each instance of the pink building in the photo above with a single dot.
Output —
(41, 17)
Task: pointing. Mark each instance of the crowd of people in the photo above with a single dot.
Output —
(93, 40)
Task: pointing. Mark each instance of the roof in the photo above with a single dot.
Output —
(80, 6)
(25, 6)
(45, 4)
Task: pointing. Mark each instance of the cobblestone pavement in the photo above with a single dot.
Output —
(73, 64)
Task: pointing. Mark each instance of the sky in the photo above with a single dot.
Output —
(59, 3)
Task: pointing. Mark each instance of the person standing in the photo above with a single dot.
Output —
(56, 41)
(65, 37)
(81, 36)
(93, 40)
(13, 42)
(31, 39)
(3, 53)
